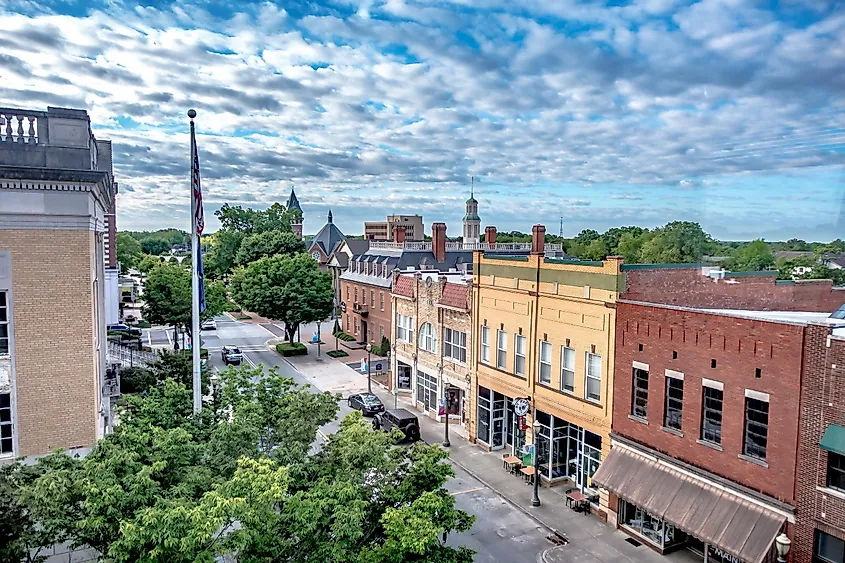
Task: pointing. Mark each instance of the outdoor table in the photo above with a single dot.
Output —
(576, 500)
(510, 463)
(528, 473)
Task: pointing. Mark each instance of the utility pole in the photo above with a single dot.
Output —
(561, 227)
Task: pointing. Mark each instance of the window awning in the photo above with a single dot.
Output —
(834, 439)
(718, 517)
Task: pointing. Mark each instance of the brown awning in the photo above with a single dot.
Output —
(739, 527)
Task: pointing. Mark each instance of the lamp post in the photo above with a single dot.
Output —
(446, 401)
(369, 372)
(782, 544)
(535, 500)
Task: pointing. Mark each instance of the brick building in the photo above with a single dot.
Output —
(325, 242)
(820, 488)
(706, 427)
(432, 336)
(545, 333)
(56, 187)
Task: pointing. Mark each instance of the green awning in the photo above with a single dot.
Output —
(834, 439)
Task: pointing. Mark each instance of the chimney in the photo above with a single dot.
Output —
(438, 241)
(490, 236)
(399, 234)
(538, 239)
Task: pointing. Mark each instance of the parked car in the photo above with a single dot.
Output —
(124, 328)
(232, 355)
(367, 403)
(210, 324)
(404, 420)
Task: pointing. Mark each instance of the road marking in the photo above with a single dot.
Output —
(150, 336)
(268, 330)
(322, 435)
(468, 491)
(169, 339)
(250, 362)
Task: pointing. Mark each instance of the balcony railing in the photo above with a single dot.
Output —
(19, 125)
(360, 309)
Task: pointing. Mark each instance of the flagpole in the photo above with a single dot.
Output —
(195, 281)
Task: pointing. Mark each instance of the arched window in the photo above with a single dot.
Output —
(428, 338)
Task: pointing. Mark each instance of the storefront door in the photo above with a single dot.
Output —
(497, 441)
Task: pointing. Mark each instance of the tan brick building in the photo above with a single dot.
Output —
(56, 187)
(432, 331)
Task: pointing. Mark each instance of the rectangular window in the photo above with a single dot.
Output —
(639, 405)
(829, 549)
(381, 333)
(485, 344)
(347, 292)
(756, 428)
(835, 471)
(501, 349)
(711, 415)
(672, 416)
(372, 298)
(355, 321)
(347, 322)
(356, 295)
(381, 300)
(593, 387)
(5, 423)
(567, 369)
(519, 355)
(4, 325)
(405, 328)
(546, 362)
(455, 345)
(427, 390)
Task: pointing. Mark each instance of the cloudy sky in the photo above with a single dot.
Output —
(726, 112)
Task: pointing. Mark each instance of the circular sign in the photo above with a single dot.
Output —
(521, 407)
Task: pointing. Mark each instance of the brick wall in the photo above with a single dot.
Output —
(821, 405)
(55, 360)
(687, 287)
(739, 346)
(376, 319)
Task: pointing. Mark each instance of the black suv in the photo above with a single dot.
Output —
(402, 419)
(367, 403)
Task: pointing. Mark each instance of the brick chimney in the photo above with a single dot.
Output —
(538, 239)
(399, 234)
(438, 241)
(490, 236)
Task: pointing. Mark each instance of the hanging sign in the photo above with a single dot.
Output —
(521, 407)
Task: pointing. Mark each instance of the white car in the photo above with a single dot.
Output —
(210, 324)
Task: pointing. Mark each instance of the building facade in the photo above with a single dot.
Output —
(432, 334)
(383, 230)
(338, 262)
(56, 187)
(706, 414)
(820, 488)
(365, 304)
(112, 268)
(545, 333)
(325, 242)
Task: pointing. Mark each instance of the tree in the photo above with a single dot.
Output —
(612, 237)
(596, 250)
(220, 260)
(587, 236)
(678, 242)
(753, 257)
(128, 251)
(148, 262)
(167, 297)
(292, 290)
(268, 243)
(630, 246)
(236, 219)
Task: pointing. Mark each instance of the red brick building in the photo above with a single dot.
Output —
(706, 441)
(820, 488)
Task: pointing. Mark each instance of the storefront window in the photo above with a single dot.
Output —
(650, 527)
(568, 451)
(482, 430)
(403, 376)
(560, 449)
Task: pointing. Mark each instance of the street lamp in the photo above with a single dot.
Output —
(446, 442)
(782, 544)
(535, 500)
(369, 373)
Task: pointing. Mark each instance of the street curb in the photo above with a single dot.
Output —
(543, 557)
(516, 505)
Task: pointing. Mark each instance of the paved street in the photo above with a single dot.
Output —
(501, 533)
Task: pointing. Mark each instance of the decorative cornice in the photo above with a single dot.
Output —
(23, 222)
(97, 182)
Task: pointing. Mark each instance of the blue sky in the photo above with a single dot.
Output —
(725, 112)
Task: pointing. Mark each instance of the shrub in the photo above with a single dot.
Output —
(143, 324)
(345, 337)
(383, 349)
(336, 353)
(291, 349)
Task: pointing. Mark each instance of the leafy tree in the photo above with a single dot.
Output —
(821, 272)
(128, 251)
(167, 297)
(676, 243)
(753, 257)
(630, 246)
(236, 219)
(292, 290)
(587, 236)
(268, 243)
(148, 262)
(596, 250)
(220, 260)
(612, 237)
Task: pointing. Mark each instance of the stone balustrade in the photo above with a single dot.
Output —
(19, 125)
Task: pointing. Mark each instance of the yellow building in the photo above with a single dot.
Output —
(545, 333)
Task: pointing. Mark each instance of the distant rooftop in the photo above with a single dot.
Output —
(792, 317)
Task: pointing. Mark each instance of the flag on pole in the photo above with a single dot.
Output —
(198, 216)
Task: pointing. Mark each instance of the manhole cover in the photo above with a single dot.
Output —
(557, 539)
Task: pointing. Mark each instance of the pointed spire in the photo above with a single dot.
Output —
(472, 187)
(330, 215)
(293, 202)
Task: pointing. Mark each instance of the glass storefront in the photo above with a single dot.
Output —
(403, 376)
(649, 527)
(567, 451)
(427, 391)
(496, 425)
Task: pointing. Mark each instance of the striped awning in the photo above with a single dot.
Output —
(714, 515)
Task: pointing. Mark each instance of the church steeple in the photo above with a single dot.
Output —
(296, 220)
(330, 215)
(472, 222)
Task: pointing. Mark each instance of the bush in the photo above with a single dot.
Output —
(136, 380)
(291, 349)
(336, 353)
(143, 324)
(383, 349)
(345, 337)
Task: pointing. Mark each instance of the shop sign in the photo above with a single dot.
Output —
(717, 555)
(521, 407)
(343, 306)
(404, 379)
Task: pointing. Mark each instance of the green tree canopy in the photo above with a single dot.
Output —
(128, 251)
(753, 257)
(167, 297)
(220, 260)
(292, 290)
(676, 243)
(268, 243)
(236, 219)
(148, 262)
